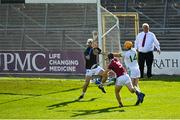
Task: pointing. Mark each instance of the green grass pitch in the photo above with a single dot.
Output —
(29, 98)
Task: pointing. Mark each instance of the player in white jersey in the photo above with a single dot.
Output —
(130, 59)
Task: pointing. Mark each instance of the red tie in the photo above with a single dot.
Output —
(144, 39)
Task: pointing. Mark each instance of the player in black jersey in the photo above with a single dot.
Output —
(92, 68)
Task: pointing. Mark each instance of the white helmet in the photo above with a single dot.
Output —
(89, 41)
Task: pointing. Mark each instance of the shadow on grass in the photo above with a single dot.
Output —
(71, 89)
(110, 109)
(40, 94)
(29, 96)
(15, 100)
(19, 94)
(98, 111)
(130, 106)
(62, 104)
(33, 95)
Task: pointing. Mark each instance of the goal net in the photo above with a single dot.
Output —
(110, 33)
(117, 27)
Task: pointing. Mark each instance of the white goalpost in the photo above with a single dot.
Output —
(110, 37)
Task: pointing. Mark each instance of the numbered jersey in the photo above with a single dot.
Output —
(130, 59)
(117, 67)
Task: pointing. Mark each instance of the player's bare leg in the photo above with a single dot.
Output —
(100, 86)
(87, 80)
(103, 77)
(101, 74)
(140, 96)
(135, 83)
(136, 86)
(130, 87)
(117, 93)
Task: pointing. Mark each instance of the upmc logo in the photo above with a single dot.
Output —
(47, 62)
(22, 62)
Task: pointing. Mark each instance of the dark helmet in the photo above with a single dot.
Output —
(110, 56)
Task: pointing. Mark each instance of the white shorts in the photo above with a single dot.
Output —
(96, 71)
(123, 80)
(134, 73)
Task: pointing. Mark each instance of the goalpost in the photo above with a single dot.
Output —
(110, 33)
(117, 27)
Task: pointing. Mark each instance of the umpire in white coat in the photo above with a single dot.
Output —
(145, 43)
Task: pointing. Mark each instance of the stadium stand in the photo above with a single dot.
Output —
(163, 17)
(46, 26)
(67, 26)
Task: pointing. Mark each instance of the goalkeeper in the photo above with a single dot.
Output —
(92, 68)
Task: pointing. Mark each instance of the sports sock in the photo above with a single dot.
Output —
(137, 88)
(137, 92)
(83, 93)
